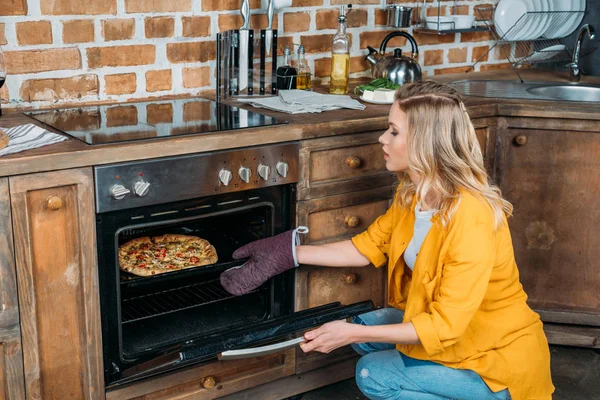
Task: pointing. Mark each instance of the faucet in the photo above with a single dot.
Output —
(574, 70)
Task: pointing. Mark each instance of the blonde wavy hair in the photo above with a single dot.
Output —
(444, 151)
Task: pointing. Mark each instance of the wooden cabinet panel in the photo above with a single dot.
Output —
(212, 380)
(342, 164)
(12, 383)
(53, 216)
(553, 180)
(485, 129)
(9, 311)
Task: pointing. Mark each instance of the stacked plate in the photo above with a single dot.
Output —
(532, 19)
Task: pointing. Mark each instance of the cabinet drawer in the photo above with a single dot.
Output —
(346, 162)
(325, 285)
(342, 164)
(211, 381)
(341, 217)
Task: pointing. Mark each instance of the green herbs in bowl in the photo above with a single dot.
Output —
(379, 83)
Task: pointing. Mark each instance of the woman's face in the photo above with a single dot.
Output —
(394, 141)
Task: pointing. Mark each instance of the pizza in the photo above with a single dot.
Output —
(145, 256)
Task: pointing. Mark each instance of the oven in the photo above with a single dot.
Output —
(154, 324)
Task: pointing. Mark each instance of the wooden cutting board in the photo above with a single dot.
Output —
(3, 139)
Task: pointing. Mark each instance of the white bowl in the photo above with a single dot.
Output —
(463, 21)
(445, 23)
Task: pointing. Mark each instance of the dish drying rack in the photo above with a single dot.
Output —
(479, 25)
(538, 50)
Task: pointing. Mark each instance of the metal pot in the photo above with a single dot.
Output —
(397, 68)
(399, 16)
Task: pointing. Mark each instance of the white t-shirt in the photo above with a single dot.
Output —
(422, 225)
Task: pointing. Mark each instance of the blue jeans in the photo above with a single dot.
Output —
(385, 373)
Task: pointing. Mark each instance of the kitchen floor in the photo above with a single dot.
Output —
(575, 373)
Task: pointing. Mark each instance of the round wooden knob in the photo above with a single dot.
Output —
(351, 221)
(520, 140)
(54, 203)
(350, 279)
(208, 382)
(353, 162)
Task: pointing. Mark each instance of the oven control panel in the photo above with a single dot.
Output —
(142, 183)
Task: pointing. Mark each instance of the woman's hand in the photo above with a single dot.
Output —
(330, 336)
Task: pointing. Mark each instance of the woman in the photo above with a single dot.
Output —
(458, 326)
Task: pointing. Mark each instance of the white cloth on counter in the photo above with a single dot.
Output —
(30, 136)
(302, 101)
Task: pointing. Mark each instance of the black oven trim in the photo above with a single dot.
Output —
(278, 292)
(172, 222)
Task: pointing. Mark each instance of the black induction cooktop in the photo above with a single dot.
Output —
(150, 120)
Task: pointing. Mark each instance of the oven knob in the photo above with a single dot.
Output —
(282, 168)
(225, 176)
(118, 192)
(141, 188)
(264, 171)
(245, 174)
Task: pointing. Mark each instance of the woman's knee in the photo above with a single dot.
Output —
(375, 375)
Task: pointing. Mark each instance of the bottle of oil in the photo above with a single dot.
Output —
(286, 74)
(303, 81)
(340, 58)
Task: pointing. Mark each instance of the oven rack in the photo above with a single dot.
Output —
(172, 300)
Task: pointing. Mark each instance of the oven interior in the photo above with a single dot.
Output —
(145, 317)
(159, 311)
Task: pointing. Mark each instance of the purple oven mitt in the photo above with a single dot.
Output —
(268, 257)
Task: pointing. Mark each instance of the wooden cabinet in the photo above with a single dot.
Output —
(53, 221)
(211, 381)
(551, 174)
(12, 381)
(338, 217)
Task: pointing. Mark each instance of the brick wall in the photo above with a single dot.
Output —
(73, 51)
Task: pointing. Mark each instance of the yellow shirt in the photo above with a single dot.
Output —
(464, 297)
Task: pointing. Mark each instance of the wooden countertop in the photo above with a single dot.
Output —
(74, 153)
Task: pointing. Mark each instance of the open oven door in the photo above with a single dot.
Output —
(247, 341)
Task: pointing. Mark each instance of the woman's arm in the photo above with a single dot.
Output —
(338, 254)
(336, 334)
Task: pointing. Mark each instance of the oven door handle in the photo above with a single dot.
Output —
(259, 351)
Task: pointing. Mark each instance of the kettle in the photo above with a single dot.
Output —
(397, 68)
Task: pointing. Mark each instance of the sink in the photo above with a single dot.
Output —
(568, 92)
(530, 90)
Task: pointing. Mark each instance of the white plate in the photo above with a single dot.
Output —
(506, 15)
(532, 21)
(547, 52)
(568, 25)
(546, 19)
(537, 20)
(376, 101)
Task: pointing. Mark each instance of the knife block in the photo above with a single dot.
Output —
(243, 66)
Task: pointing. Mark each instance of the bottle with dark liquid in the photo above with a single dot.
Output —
(286, 74)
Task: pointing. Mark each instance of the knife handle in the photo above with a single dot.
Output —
(270, 12)
(245, 11)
